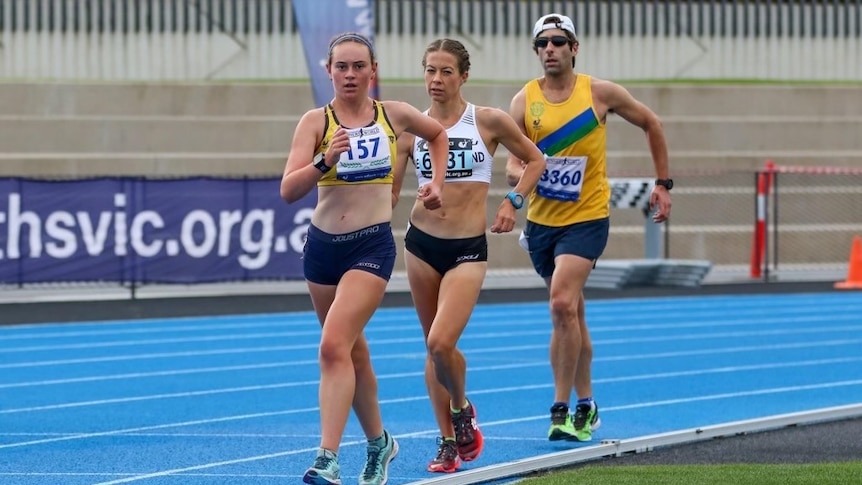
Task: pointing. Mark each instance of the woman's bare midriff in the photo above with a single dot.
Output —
(347, 208)
(463, 215)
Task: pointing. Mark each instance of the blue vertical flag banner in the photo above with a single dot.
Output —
(321, 20)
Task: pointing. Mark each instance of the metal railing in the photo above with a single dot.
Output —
(254, 39)
(705, 18)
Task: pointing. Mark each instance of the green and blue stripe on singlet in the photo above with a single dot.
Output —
(569, 134)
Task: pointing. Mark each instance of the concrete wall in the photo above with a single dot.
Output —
(718, 137)
(167, 129)
(194, 57)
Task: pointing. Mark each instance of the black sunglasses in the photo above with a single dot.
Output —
(557, 40)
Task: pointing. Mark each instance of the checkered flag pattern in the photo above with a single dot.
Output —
(630, 193)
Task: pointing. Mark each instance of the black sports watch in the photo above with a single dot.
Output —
(516, 199)
(319, 163)
(666, 183)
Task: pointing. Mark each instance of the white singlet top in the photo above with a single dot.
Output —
(469, 160)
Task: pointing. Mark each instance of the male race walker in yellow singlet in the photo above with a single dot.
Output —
(567, 229)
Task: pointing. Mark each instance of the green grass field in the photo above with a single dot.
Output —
(848, 473)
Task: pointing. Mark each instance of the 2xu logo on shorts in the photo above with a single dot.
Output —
(467, 257)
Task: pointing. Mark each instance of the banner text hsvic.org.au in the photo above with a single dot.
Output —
(63, 234)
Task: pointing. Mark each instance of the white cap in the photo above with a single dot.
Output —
(565, 23)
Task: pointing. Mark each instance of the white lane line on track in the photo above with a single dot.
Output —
(252, 367)
(488, 424)
(467, 336)
(421, 355)
(598, 342)
(481, 317)
(630, 378)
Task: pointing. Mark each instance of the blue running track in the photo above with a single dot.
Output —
(200, 401)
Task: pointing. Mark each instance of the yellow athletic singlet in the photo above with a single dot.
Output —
(372, 149)
(574, 187)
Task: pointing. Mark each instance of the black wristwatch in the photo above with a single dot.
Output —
(319, 163)
(666, 183)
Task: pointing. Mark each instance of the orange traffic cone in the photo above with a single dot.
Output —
(854, 272)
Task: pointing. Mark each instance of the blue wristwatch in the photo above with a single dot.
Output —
(516, 199)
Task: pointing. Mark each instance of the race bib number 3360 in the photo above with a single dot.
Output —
(563, 178)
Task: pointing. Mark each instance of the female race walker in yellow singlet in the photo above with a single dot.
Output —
(347, 149)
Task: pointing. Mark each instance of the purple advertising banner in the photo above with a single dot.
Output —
(321, 20)
(134, 230)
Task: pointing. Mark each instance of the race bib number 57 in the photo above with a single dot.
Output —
(368, 157)
(563, 178)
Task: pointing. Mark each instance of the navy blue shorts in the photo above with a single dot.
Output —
(445, 254)
(584, 239)
(326, 257)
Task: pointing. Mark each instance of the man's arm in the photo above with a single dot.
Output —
(618, 100)
(514, 165)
